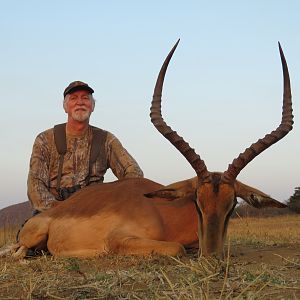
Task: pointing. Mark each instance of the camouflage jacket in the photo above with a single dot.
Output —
(42, 177)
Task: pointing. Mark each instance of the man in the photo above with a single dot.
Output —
(53, 177)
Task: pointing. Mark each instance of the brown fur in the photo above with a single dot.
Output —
(113, 218)
(118, 218)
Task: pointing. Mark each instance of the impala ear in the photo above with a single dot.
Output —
(183, 189)
(255, 197)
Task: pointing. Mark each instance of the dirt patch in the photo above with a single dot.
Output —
(278, 266)
(276, 254)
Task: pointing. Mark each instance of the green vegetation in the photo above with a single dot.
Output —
(294, 201)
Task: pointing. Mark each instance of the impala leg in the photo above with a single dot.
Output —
(20, 253)
(142, 246)
(8, 250)
(34, 234)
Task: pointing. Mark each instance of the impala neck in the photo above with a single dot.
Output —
(180, 220)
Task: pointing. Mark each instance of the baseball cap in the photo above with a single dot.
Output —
(76, 86)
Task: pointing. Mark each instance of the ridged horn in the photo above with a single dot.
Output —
(283, 129)
(171, 135)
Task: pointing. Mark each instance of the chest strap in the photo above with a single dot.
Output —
(97, 146)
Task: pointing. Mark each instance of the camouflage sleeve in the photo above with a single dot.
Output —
(122, 164)
(38, 177)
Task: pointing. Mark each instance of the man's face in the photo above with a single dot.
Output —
(79, 105)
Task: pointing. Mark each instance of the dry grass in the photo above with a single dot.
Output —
(254, 268)
(266, 231)
(8, 235)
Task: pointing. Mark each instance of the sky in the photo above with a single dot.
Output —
(222, 92)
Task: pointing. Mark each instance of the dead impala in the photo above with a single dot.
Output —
(120, 218)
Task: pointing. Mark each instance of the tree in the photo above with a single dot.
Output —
(294, 201)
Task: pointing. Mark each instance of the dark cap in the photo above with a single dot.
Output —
(77, 86)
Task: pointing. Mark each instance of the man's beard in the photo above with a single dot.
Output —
(81, 116)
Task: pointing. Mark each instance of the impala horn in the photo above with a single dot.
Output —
(156, 118)
(283, 129)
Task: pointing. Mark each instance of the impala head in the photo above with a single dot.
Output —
(215, 193)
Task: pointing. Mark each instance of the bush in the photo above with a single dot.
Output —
(294, 201)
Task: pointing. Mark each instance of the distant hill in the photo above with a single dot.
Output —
(15, 214)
